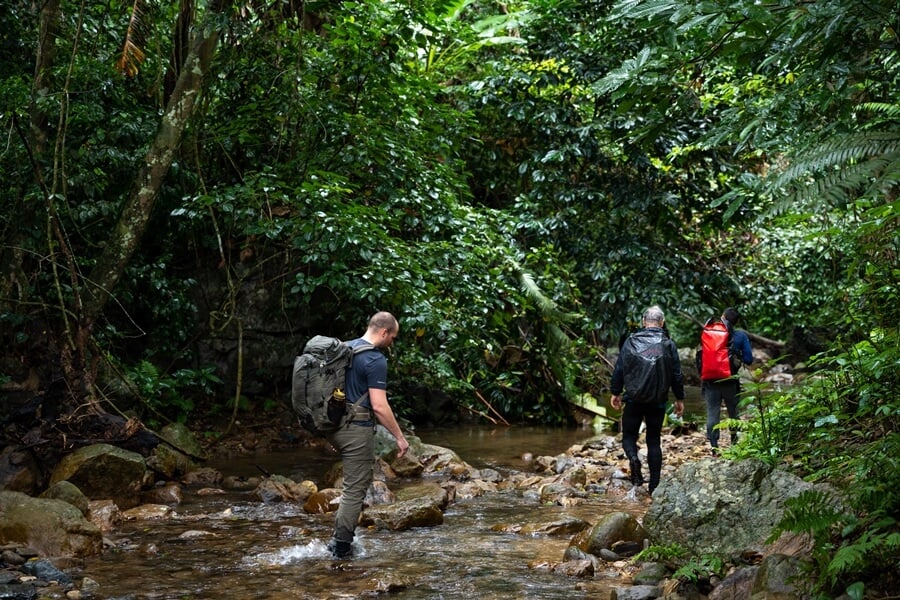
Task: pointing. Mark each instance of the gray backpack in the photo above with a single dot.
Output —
(317, 391)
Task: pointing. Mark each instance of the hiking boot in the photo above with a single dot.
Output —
(636, 477)
(340, 550)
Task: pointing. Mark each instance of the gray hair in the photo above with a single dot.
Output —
(654, 314)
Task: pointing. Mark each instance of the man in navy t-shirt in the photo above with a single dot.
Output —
(366, 390)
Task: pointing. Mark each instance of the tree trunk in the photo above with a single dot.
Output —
(128, 233)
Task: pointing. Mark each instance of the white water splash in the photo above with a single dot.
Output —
(312, 550)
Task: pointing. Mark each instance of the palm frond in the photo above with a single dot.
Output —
(132, 54)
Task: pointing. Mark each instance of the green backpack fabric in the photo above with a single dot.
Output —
(319, 372)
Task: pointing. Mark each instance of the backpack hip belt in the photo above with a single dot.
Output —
(359, 413)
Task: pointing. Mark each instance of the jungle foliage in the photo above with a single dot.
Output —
(191, 189)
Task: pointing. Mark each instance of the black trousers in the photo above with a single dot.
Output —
(653, 415)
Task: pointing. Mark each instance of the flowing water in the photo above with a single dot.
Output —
(232, 547)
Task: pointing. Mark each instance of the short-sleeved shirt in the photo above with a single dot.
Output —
(369, 370)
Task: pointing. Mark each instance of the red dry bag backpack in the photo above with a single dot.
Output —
(715, 351)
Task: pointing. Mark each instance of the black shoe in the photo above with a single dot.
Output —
(340, 550)
(636, 477)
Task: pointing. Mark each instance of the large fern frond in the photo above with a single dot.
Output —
(842, 167)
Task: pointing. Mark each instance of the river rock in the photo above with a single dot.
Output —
(52, 527)
(379, 493)
(204, 476)
(774, 580)
(104, 471)
(417, 506)
(68, 492)
(168, 493)
(636, 592)
(146, 512)
(737, 585)
(181, 438)
(45, 570)
(474, 489)
(19, 471)
(612, 528)
(169, 462)
(443, 461)
(18, 591)
(104, 514)
(323, 501)
(278, 488)
(560, 527)
(651, 573)
(720, 507)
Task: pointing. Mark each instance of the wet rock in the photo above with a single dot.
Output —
(613, 527)
(323, 501)
(609, 555)
(406, 466)
(438, 460)
(379, 493)
(11, 558)
(204, 476)
(474, 489)
(565, 526)
(169, 494)
(104, 471)
(558, 493)
(419, 506)
(234, 482)
(52, 527)
(146, 512)
(68, 492)
(104, 514)
(281, 489)
(18, 591)
(582, 569)
(45, 570)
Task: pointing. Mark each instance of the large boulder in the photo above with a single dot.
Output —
(51, 527)
(104, 471)
(720, 507)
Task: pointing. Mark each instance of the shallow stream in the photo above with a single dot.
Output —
(233, 547)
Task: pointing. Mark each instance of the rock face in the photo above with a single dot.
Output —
(104, 471)
(52, 527)
(720, 507)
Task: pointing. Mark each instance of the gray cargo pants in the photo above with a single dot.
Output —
(356, 443)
